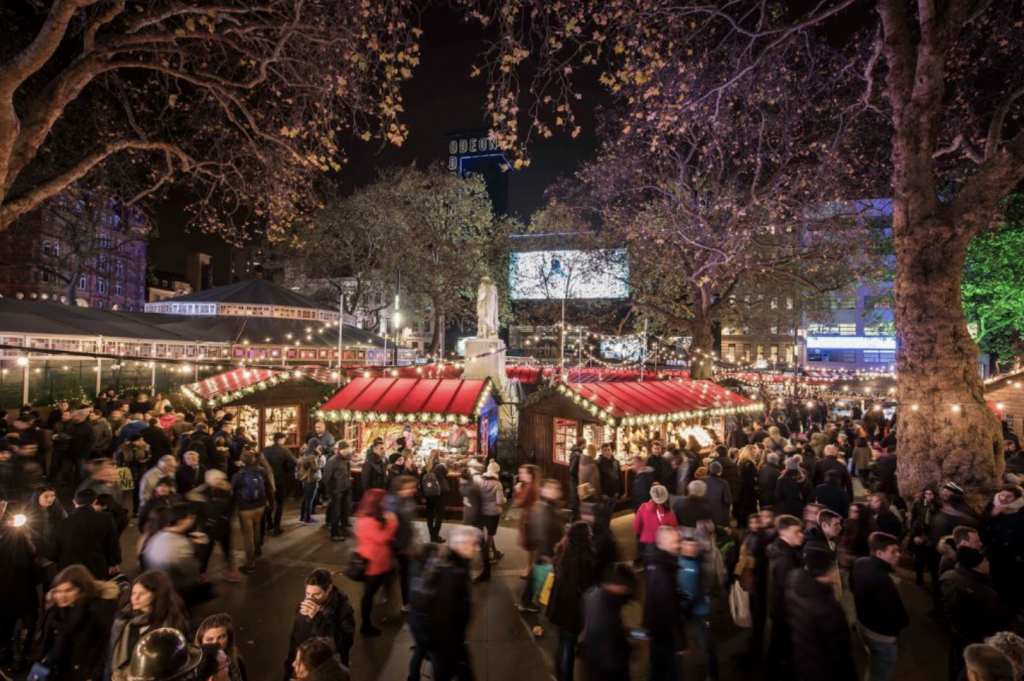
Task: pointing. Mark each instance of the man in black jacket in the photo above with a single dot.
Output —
(325, 611)
(768, 479)
(611, 475)
(661, 466)
(156, 438)
(282, 465)
(831, 462)
(973, 609)
(440, 604)
(663, 612)
(820, 634)
(373, 474)
(575, 454)
(880, 612)
(784, 556)
(86, 537)
(605, 643)
(337, 482)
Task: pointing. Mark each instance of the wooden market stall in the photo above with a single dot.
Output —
(630, 414)
(454, 415)
(266, 401)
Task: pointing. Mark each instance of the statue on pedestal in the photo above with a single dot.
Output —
(487, 309)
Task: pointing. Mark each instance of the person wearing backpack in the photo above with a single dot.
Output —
(250, 490)
(434, 486)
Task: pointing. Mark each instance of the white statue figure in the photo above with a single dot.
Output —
(487, 309)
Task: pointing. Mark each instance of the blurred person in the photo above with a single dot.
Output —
(315, 660)
(695, 582)
(492, 497)
(820, 633)
(574, 576)
(177, 548)
(546, 529)
(433, 484)
(972, 607)
(527, 492)
(663, 610)
(215, 504)
(784, 555)
(401, 501)
(606, 647)
(166, 467)
(374, 531)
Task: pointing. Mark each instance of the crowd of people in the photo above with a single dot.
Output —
(794, 527)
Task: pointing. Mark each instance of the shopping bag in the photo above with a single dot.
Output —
(125, 479)
(545, 591)
(539, 575)
(739, 606)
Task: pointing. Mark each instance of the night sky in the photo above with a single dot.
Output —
(441, 97)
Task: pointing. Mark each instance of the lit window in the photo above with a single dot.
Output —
(83, 283)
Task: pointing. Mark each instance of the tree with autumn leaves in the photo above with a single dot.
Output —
(243, 103)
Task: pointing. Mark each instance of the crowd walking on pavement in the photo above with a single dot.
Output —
(794, 528)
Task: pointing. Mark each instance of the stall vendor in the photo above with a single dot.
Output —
(458, 441)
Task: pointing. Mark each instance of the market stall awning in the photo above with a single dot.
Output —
(533, 374)
(637, 402)
(231, 385)
(422, 400)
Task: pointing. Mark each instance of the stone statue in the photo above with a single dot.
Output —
(487, 309)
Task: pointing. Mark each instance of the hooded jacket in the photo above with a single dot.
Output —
(973, 609)
(492, 495)
(819, 631)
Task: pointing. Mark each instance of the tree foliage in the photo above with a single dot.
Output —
(245, 103)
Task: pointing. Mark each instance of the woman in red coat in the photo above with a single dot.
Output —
(527, 491)
(652, 515)
(374, 531)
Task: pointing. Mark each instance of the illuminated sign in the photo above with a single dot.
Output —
(471, 146)
(572, 275)
(851, 342)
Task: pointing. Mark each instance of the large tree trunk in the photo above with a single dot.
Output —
(945, 430)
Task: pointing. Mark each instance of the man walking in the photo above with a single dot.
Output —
(880, 612)
(337, 482)
(250, 490)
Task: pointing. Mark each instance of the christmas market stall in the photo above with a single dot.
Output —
(629, 414)
(267, 401)
(459, 417)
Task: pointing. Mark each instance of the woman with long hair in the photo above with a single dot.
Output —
(153, 604)
(527, 492)
(745, 502)
(919, 523)
(219, 630)
(42, 512)
(76, 623)
(574, 575)
(434, 498)
(856, 530)
(375, 529)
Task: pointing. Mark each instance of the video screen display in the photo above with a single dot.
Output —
(573, 275)
(624, 348)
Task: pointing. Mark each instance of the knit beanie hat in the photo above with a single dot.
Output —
(954, 488)
(659, 494)
(493, 469)
(792, 464)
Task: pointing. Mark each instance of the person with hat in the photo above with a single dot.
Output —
(792, 490)
(1004, 523)
(492, 500)
(337, 483)
(165, 655)
(819, 632)
(718, 495)
(971, 605)
(650, 516)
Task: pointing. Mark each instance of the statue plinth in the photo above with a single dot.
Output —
(485, 358)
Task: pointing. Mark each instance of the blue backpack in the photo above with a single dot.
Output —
(253, 488)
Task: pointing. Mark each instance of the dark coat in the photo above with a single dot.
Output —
(439, 613)
(745, 502)
(719, 497)
(767, 479)
(730, 474)
(662, 468)
(373, 473)
(282, 462)
(884, 475)
(818, 630)
(70, 637)
(188, 478)
(573, 577)
(156, 438)
(605, 644)
(831, 463)
(611, 477)
(17, 573)
(791, 493)
(833, 498)
(337, 477)
(973, 609)
(642, 484)
(663, 611)
(782, 559)
(332, 670)
(690, 510)
(89, 538)
(336, 620)
(878, 602)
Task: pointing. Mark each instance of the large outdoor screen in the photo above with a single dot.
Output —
(553, 275)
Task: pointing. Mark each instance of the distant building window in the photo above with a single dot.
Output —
(47, 248)
(45, 276)
(879, 356)
(103, 263)
(118, 289)
(815, 355)
(844, 302)
(845, 356)
(56, 250)
(847, 329)
(119, 268)
(83, 283)
(101, 285)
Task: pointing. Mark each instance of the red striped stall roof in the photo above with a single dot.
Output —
(409, 396)
(627, 399)
(241, 378)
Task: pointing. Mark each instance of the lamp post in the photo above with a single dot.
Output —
(23, 363)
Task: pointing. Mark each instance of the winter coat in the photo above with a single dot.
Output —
(573, 578)
(888, 522)
(782, 559)
(862, 459)
(745, 503)
(373, 475)
(972, 607)
(102, 436)
(589, 474)
(719, 498)
(662, 468)
(214, 508)
(690, 510)
(1005, 548)
(879, 606)
(130, 626)
(649, 518)
(525, 499)
(472, 503)
(439, 614)
(832, 497)
(174, 554)
(791, 493)
(331, 670)
(335, 620)
(156, 438)
(373, 539)
(337, 478)
(282, 462)
(546, 529)
(832, 463)
(767, 479)
(819, 632)
(70, 637)
(492, 496)
(611, 477)
(605, 643)
(189, 478)
(884, 475)
(663, 610)
(86, 537)
(642, 483)
(17, 573)
(405, 509)
(730, 474)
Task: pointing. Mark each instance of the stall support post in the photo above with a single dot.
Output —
(152, 375)
(99, 374)
(341, 334)
(24, 384)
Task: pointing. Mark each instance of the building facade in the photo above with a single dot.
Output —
(86, 246)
